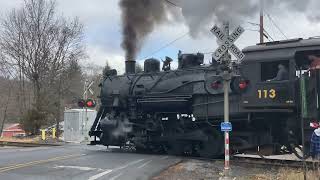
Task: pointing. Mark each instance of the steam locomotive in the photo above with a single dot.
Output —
(180, 111)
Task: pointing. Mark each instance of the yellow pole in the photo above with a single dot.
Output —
(43, 134)
(53, 133)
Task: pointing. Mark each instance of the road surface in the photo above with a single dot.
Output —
(79, 162)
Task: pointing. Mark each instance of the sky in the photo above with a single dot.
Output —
(102, 22)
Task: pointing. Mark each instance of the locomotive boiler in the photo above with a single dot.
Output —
(180, 111)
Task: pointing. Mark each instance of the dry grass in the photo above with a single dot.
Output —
(25, 140)
(289, 174)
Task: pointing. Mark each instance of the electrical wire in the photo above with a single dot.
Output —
(268, 35)
(252, 23)
(255, 30)
(171, 3)
(166, 45)
(275, 24)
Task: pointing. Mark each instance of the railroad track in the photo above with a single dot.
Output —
(273, 162)
(263, 161)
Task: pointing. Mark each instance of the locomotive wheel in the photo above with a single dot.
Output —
(141, 150)
(213, 146)
(175, 148)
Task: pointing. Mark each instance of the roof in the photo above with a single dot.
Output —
(6, 125)
(291, 43)
(281, 50)
(14, 127)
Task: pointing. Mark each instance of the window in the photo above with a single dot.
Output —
(275, 71)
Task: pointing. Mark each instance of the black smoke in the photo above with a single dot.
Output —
(139, 17)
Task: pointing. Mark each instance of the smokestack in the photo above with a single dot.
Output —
(130, 66)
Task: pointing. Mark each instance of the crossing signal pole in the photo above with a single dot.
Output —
(86, 103)
(226, 76)
(222, 56)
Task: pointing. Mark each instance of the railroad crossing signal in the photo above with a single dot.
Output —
(227, 43)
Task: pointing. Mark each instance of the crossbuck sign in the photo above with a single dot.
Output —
(227, 42)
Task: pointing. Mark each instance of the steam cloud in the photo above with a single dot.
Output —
(141, 16)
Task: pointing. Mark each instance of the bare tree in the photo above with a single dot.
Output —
(139, 68)
(39, 44)
(106, 68)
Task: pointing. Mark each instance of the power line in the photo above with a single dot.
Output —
(265, 32)
(275, 24)
(252, 23)
(268, 35)
(171, 3)
(166, 45)
(255, 30)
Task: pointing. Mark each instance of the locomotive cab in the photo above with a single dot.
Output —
(284, 87)
(274, 70)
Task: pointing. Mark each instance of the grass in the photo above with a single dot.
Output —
(12, 139)
(289, 174)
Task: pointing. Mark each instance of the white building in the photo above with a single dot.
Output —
(77, 124)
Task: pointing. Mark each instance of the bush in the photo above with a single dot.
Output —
(32, 121)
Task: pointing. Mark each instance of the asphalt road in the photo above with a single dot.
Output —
(79, 162)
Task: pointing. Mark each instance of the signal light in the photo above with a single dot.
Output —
(239, 84)
(216, 85)
(243, 84)
(81, 103)
(90, 103)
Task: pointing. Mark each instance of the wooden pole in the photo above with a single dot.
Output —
(261, 22)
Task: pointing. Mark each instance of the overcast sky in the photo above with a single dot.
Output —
(102, 22)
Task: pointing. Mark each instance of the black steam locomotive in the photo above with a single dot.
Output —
(180, 111)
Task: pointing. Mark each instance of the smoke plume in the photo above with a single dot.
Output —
(141, 16)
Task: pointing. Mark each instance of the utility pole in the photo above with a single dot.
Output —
(261, 22)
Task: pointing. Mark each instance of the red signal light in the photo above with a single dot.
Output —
(90, 103)
(216, 85)
(243, 84)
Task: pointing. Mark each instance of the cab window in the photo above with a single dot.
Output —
(306, 61)
(274, 71)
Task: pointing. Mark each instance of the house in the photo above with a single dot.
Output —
(12, 130)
